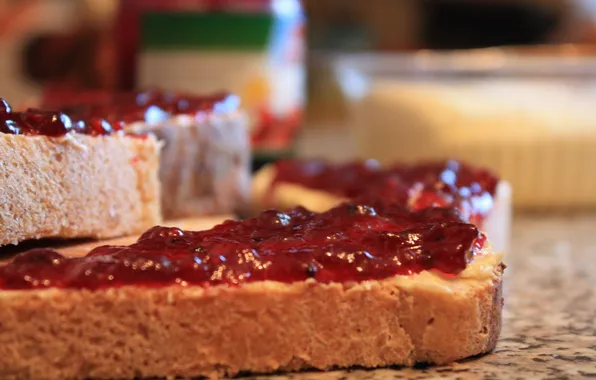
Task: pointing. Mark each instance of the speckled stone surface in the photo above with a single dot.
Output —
(549, 329)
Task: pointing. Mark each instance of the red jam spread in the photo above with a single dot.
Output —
(351, 242)
(430, 184)
(50, 123)
(151, 106)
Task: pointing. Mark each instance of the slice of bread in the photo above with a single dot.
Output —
(259, 327)
(77, 186)
(284, 195)
(205, 166)
(205, 163)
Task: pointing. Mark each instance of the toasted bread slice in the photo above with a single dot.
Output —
(258, 327)
(77, 186)
(206, 159)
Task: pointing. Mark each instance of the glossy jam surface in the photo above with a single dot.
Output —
(152, 106)
(50, 123)
(418, 186)
(351, 242)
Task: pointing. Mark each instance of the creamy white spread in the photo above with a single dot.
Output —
(482, 271)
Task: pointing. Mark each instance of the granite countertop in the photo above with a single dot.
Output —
(549, 327)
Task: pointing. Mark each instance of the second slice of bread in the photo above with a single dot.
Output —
(77, 186)
(205, 163)
(283, 195)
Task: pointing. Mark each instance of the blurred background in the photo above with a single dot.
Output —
(503, 83)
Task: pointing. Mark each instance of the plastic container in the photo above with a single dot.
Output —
(528, 115)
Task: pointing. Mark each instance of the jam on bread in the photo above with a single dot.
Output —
(351, 242)
(421, 185)
(51, 123)
(151, 106)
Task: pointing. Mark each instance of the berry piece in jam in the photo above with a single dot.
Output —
(98, 126)
(10, 124)
(5, 108)
(352, 242)
(47, 123)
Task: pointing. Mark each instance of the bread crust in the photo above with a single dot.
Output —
(77, 186)
(258, 327)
